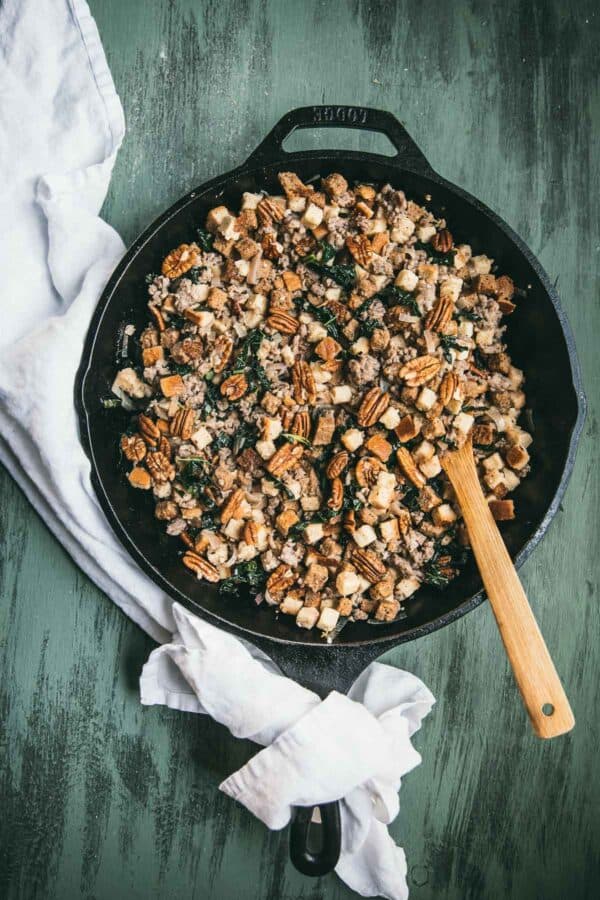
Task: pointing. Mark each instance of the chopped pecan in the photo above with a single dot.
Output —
(232, 506)
(328, 348)
(337, 464)
(368, 564)
(271, 247)
(221, 352)
(234, 387)
(442, 241)
(283, 322)
(441, 314)
(305, 246)
(301, 424)
(360, 248)
(367, 469)
(409, 468)
(280, 580)
(149, 430)
(373, 405)
(420, 370)
(249, 461)
(160, 467)
(269, 211)
(200, 566)
(336, 497)
(180, 260)
(285, 458)
(133, 447)
(182, 424)
(303, 381)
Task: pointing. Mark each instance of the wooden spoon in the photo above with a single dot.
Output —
(534, 671)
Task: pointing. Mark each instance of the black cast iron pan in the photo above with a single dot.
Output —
(540, 342)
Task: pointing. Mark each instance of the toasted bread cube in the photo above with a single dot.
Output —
(425, 233)
(387, 610)
(406, 280)
(465, 329)
(290, 605)
(511, 480)
(485, 337)
(454, 405)
(201, 438)
(502, 510)
(265, 449)
(316, 577)
(307, 617)
(423, 452)
(172, 385)
(285, 520)
(426, 399)
(313, 216)
(485, 284)
(517, 457)
(494, 461)
(328, 619)
(391, 418)
(493, 478)
(347, 583)
(344, 606)
(402, 230)
(383, 493)
(407, 429)
(316, 332)
(271, 428)
(128, 382)
(379, 447)
(443, 515)
(151, 355)
(335, 184)
(314, 533)
(463, 422)
(481, 265)
(431, 468)
(352, 439)
(324, 430)
(140, 478)
(406, 587)
(250, 201)
(389, 530)
(364, 535)
(342, 393)
(292, 281)
(234, 529)
(215, 217)
(360, 346)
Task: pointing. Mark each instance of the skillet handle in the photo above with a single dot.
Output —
(324, 860)
(363, 118)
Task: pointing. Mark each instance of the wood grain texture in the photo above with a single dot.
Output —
(535, 674)
(103, 799)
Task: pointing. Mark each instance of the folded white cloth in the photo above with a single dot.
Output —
(61, 125)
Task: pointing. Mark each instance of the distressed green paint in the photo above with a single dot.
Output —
(101, 798)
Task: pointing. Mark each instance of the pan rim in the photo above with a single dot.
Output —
(250, 168)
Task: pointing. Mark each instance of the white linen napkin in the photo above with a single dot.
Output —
(61, 124)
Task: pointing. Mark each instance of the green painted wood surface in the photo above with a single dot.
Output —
(103, 799)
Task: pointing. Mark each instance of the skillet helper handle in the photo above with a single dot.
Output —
(324, 860)
(536, 677)
(363, 118)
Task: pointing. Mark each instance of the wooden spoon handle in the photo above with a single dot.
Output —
(534, 671)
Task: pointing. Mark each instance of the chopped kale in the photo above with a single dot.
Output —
(194, 274)
(448, 343)
(395, 296)
(210, 520)
(246, 361)
(204, 239)
(328, 253)
(479, 359)
(211, 398)
(344, 275)
(411, 498)
(443, 259)
(246, 574)
(180, 368)
(194, 473)
(469, 314)
(245, 436)
(325, 317)
(368, 326)
(111, 403)
(436, 575)
(222, 439)
(149, 278)
(176, 321)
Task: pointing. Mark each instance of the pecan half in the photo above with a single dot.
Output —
(252, 533)
(269, 211)
(336, 497)
(301, 424)
(368, 564)
(327, 349)
(420, 370)
(337, 464)
(160, 467)
(133, 447)
(441, 314)
(232, 506)
(221, 352)
(285, 458)
(149, 430)
(164, 446)
(360, 248)
(303, 381)
(200, 566)
(442, 241)
(180, 260)
(409, 468)
(283, 322)
(234, 387)
(280, 580)
(367, 469)
(373, 405)
(182, 424)
(271, 247)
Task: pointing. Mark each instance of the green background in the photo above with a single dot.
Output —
(100, 798)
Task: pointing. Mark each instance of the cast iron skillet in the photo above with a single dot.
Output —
(540, 342)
